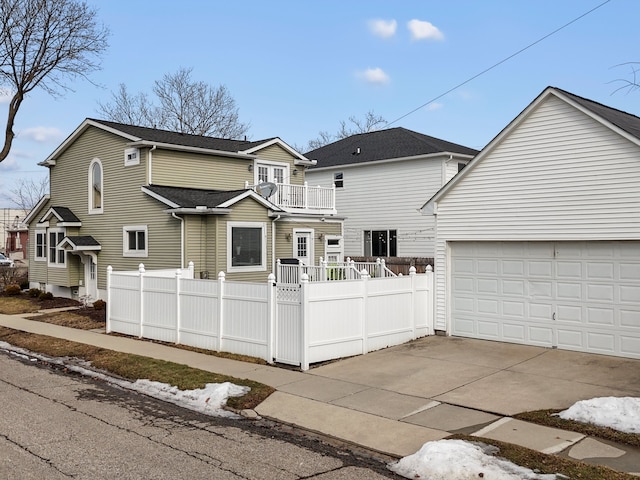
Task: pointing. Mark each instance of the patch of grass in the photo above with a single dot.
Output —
(70, 319)
(544, 463)
(134, 367)
(17, 305)
(547, 418)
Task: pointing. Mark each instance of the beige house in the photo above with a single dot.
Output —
(122, 195)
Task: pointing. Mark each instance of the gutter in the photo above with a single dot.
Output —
(181, 238)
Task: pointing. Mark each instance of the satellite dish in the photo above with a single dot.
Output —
(266, 189)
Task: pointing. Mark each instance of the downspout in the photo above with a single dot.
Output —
(151, 163)
(273, 245)
(173, 214)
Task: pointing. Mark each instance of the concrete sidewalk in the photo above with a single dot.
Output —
(394, 400)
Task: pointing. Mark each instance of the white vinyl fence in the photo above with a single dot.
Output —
(295, 324)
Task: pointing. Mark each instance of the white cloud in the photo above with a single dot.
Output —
(383, 28)
(375, 75)
(41, 134)
(423, 30)
(434, 106)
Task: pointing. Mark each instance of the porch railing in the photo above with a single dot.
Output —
(303, 198)
(291, 272)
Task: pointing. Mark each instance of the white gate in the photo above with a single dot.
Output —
(288, 335)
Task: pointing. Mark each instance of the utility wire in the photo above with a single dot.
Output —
(498, 64)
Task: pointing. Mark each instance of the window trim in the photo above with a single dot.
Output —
(92, 209)
(43, 257)
(270, 166)
(388, 242)
(263, 237)
(55, 263)
(129, 151)
(338, 179)
(126, 251)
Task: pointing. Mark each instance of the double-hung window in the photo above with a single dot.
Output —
(135, 241)
(380, 243)
(56, 255)
(41, 246)
(246, 246)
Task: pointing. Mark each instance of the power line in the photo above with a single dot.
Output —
(498, 64)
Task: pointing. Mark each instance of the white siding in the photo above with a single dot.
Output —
(558, 175)
(387, 196)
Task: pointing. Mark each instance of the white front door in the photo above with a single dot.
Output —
(303, 246)
(90, 278)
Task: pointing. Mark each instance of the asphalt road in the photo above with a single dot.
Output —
(59, 425)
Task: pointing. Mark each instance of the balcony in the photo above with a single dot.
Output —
(303, 198)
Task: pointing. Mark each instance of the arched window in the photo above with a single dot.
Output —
(95, 187)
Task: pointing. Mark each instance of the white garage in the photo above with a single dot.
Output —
(575, 295)
(538, 238)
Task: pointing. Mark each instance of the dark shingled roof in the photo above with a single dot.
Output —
(83, 241)
(184, 139)
(382, 145)
(194, 197)
(625, 121)
(66, 214)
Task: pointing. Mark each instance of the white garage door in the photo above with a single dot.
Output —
(574, 295)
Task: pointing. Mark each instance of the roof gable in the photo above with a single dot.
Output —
(620, 122)
(387, 144)
(65, 217)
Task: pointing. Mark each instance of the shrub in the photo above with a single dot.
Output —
(45, 296)
(24, 284)
(99, 305)
(34, 292)
(12, 289)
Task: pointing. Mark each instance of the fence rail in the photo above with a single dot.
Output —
(296, 324)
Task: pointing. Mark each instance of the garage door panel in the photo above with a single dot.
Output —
(600, 316)
(576, 295)
(569, 313)
(540, 336)
(514, 332)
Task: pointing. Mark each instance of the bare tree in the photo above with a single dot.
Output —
(347, 128)
(45, 43)
(184, 105)
(27, 193)
(629, 84)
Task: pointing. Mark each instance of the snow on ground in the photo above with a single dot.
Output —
(448, 459)
(619, 413)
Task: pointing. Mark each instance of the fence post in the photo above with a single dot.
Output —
(178, 322)
(431, 314)
(191, 269)
(141, 298)
(272, 317)
(412, 275)
(221, 278)
(323, 269)
(279, 271)
(304, 313)
(108, 325)
(378, 267)
(365, 300)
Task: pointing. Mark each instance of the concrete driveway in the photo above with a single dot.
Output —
(497, 378)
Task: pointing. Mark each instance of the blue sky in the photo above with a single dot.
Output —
(298, 67)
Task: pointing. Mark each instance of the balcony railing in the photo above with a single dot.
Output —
(303, 198)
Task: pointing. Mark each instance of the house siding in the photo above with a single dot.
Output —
(558, 175)
(387, 196)
(123, 204)
(199, 171)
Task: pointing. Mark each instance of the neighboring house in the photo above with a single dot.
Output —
(122, 195)
(538, 239)
(382, 179)
(13, 233)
